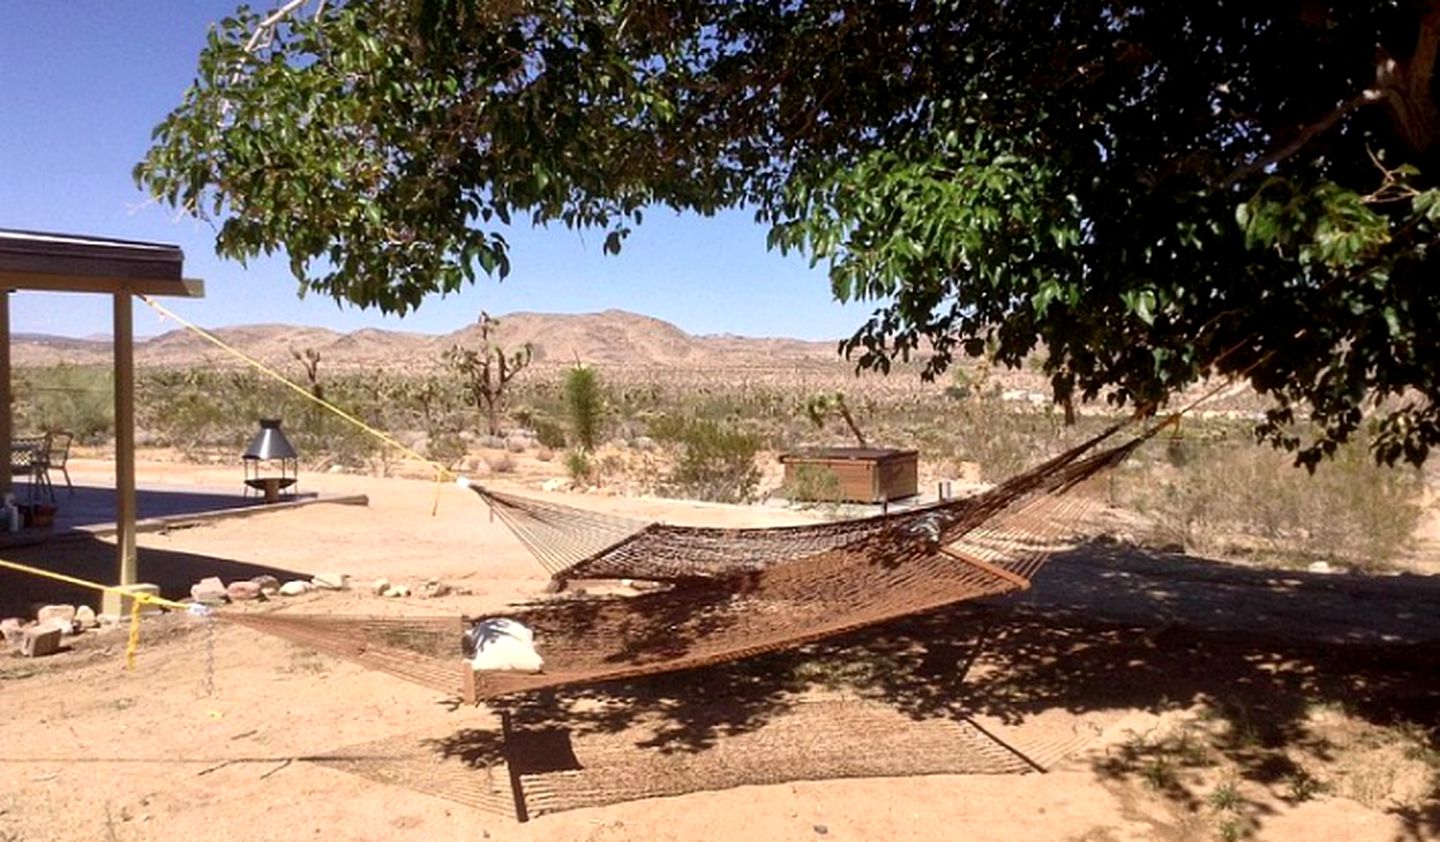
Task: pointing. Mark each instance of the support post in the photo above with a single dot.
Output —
(7, 481)
(124, 352)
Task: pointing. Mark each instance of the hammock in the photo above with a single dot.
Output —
(731, 593)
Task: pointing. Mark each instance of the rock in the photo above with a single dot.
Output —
(295, 587)
(85, 617)
(39, 641)
(517, 444)
(60, 624)
(209, 591)
(492, 442)
(269, 585)
(243, 591)
(557, 484)
(380, 586)
(397, 591)
(433, 588)
(55, 612)
(14, 632)
(331, 581)
(107, 621)
(821, 829)
(1320, 567)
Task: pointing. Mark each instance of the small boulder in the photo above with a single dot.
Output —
(380, 586)
(295, 587)
(14, 632)
(433, 588)
(85, 617)
(557, 484)
(1320, 567)
(243, 591)
(209, 591)
(55, 612)
(60, 624)
(269, 585)
(331, 581)
(38, 641)
(397, 591)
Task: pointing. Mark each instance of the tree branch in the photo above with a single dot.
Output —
(1306, 134)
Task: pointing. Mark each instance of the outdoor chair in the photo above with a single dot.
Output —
(57, 454)
(29, 458)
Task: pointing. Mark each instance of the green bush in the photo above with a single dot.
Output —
(79, 399)
(713, 463)
(812, 484)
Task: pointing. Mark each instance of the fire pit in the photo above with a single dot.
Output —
(271, 464)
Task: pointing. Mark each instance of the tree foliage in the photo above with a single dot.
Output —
(1146, 193)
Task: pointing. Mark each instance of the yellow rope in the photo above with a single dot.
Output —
(137, 601)
(440, 470)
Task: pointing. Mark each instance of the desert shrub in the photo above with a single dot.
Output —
(1228, 498)
(548, 433)
(65, 397)
(584, 405)
(811, 484)
(712, 463)
(501, 463)
(579, 466)
(445, 447)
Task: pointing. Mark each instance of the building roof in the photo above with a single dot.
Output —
(36, 260)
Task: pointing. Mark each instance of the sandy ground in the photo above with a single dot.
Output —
(1167, 697)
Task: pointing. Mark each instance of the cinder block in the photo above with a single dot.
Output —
(40, 641)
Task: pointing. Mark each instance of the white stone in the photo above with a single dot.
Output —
(500, 643)
(269, 585)
(331, 581)
(209, 591)
(66, 627)
(380, 586)
(295, 587)
(557, 484)
(55, 612)
(85, 617)
(1320, 567)
(397, 591)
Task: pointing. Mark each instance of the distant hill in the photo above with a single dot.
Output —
(611, 338)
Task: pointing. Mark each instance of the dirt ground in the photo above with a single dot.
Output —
(1165, 697)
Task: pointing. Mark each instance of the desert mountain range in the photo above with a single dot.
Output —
(610, 338)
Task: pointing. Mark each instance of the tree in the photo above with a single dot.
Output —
(585, 404)
(819, 407)
(487, 372)
(1153, 193)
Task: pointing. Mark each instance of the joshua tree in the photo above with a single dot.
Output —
(584, 401)
(821, 406)
(487, 372)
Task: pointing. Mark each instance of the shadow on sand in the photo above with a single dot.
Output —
(93, 559)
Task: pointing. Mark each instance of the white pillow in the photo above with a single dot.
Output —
(499, 643)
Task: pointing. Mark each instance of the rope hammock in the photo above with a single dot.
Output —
(730, 593)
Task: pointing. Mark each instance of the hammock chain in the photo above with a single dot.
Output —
(209, 655)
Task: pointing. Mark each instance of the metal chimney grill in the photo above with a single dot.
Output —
(271, 463)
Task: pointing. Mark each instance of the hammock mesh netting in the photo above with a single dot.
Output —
(728, 593)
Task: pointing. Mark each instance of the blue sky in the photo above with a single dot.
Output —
(83, 82)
